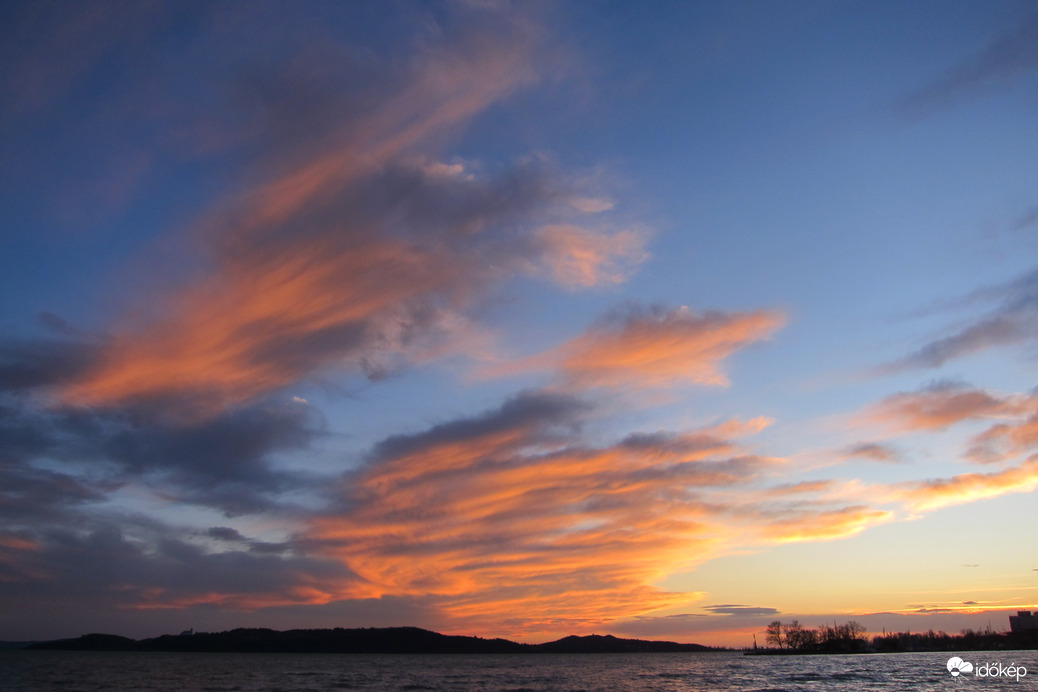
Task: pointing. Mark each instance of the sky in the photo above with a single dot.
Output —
(663, 320)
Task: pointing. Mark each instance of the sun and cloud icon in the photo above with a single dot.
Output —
(957, 666)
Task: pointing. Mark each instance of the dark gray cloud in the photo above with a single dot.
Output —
(26, 364)
(227, 448)
(731, 609)
(347, 243)
(468, 208)
(1014, 319)
(697, 473)
(59, 325)
(225, 533)
(1011, 56)
(537, 412)
(31, 497)
(105, 565)
(998, 330)
(676, 444)
(431, 243)
(223, 462)
(23, 434)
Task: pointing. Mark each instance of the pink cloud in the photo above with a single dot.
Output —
(652, 347)
(579, 257)
(1005, 441)
(940, 406)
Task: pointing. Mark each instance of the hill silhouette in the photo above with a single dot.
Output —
(386, 640)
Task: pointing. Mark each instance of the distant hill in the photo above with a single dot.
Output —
(608, 644)
(388, 640)
(90, 642)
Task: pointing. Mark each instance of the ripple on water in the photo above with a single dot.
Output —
(31, 671)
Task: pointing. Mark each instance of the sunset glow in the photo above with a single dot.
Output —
(517, 319)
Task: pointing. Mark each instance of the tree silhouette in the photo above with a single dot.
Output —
(774, 634)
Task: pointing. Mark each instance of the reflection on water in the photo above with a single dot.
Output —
(71, 671)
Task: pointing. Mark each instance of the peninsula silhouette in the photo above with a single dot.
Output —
(386, 640)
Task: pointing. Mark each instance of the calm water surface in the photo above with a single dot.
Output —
(174, 672)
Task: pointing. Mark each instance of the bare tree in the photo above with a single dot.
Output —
(774, 634)
(856, 630)
(795, 635)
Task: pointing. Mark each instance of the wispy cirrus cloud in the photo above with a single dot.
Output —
(1013, 320)
(350, 245)
(1004, 441)
(510, 512)
(578, 257)
(658, 347)
(944, 404)
(307, 268)
(367, 253)
(969, 487)
(933, 409)
(1007, 57)
(736, 609)
(347, 240)
(646, 347)
(873, 451)
(799, 524)
(56, 47)
(30, 364)
(513, 512)
(940, 405)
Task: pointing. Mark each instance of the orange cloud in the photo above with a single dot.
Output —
(970, 487)
(495, 517)
(14, 542)
(659, 348)
(364, 256)
(1005, 440)
(268, 321)
(162, 599)
(824, 525)
(799, 488)
(652, 347)
(940, 406)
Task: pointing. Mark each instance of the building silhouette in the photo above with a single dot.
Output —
(1023, 621)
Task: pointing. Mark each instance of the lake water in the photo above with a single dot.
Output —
(40, 671)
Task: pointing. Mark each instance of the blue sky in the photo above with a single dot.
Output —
(517, 319)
